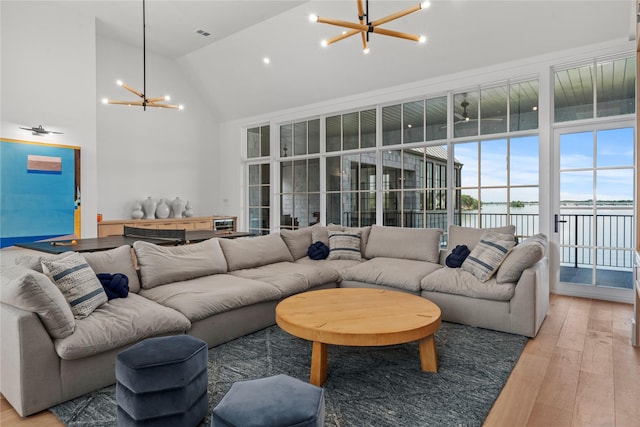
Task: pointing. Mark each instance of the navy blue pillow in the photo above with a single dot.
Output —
(318, 250)
(457, 256)
(115, 285)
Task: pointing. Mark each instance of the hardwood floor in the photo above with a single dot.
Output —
(580, 370)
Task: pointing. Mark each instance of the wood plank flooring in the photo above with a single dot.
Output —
(580, 370)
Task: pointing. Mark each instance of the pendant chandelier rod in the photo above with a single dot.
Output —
(144, 57)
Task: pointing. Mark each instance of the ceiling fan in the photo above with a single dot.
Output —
(40, 130)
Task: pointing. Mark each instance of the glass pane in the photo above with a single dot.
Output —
(524, 211)
(524, 160)
(254, 174)
(350, 172)
(391, 170)
(616, 87)
(523, 105)
(254, 196)
(576, 150)
(614, 147)
(334, 133)
(412, 209)
(286, 140)
(392, 200)
(314, 208)
(413, 168)
(350, 210)
(493, 110)
(264, 196)
(576, 189)
(264, 173)
(368, 128)
(391, 124)
(573, 94)
(265, 138)
(436, 118)
(493, 164)
(314, 175)
(300, 176)
(314, 136)
(350, 130)
(493, 210)
(467, 212)
(333, 174)
(300, 138)
(614, 187)
(333, 208)
(465, 112)
(613, 268)
(413, 121)
(253, 142)
(368, 172)
(286, 210)
(301, 210)
(467, 155)
(367, 208)
(286, 177)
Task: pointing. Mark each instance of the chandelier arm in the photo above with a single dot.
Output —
(396, 15)
(132, 90)
(157, 99)
(116, 102)
(343, 36)
(396, 34)
(361, 16)
(341, 23)
(172, 106)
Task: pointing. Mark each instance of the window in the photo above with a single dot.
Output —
(300, 138)
(612, 81)
(299, 193)
(498, 184)
(258, 188)
(351, 185)
(351, 131)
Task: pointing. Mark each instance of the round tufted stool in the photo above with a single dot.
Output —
(162, 382)
(278, 401)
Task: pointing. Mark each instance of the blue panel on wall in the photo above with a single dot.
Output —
(33, 205)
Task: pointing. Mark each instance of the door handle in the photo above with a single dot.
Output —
(556, 220)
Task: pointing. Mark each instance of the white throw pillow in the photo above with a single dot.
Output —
(488, 254)
(522, 257)
(78, 283)
(344, 245)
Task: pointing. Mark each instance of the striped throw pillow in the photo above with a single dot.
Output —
(78, 283)
(344, 245)
(488, 254)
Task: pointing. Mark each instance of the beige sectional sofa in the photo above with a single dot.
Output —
(222, 289)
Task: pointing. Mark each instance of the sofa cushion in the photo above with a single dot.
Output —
(32, 291)
(470, 236)
(78, 283)
(34, 262)
(255, 251)
(521, 257)
(336, 264)
(160, 265)
(456, 281)
(393, 272)
(488, 254)
(298, 241)
(320, 233)
(420, 244)
(344, 245)
(114, 261)
(291, 278)
(206, 296)
(120, 322)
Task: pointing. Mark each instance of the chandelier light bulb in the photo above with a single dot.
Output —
(365, 50)
(119, 82)
(324, 43)
(425, 5)
(422, 39)
(167, 98)
(313, 18)
(180, 107)
(105, 100)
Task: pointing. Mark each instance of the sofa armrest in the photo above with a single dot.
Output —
(29, 364)
(530, 302)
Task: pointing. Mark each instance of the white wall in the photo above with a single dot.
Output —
(48, 78)
(162, 153)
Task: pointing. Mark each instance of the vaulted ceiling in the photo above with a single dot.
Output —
(227, 66)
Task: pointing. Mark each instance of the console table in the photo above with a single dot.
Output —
(116, 227)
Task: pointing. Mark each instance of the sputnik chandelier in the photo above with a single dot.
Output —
(144, 102)
(364, 26)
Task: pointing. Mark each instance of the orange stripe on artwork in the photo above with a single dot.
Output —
(44, 163)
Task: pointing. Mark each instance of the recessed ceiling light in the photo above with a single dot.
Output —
(266, 60)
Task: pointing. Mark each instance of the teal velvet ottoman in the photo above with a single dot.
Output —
(278, 401)
(162, 382)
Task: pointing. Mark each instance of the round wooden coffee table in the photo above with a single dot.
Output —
(360, 317)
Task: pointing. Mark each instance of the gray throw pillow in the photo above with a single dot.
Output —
(522, 257)
(488, 254)
(344, 245)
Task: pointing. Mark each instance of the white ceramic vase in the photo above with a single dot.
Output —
(137, 212)
(177, 207)
(188, 211)
(149, 208)
(162, 211)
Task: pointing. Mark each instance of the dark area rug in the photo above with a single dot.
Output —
(366, 386)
